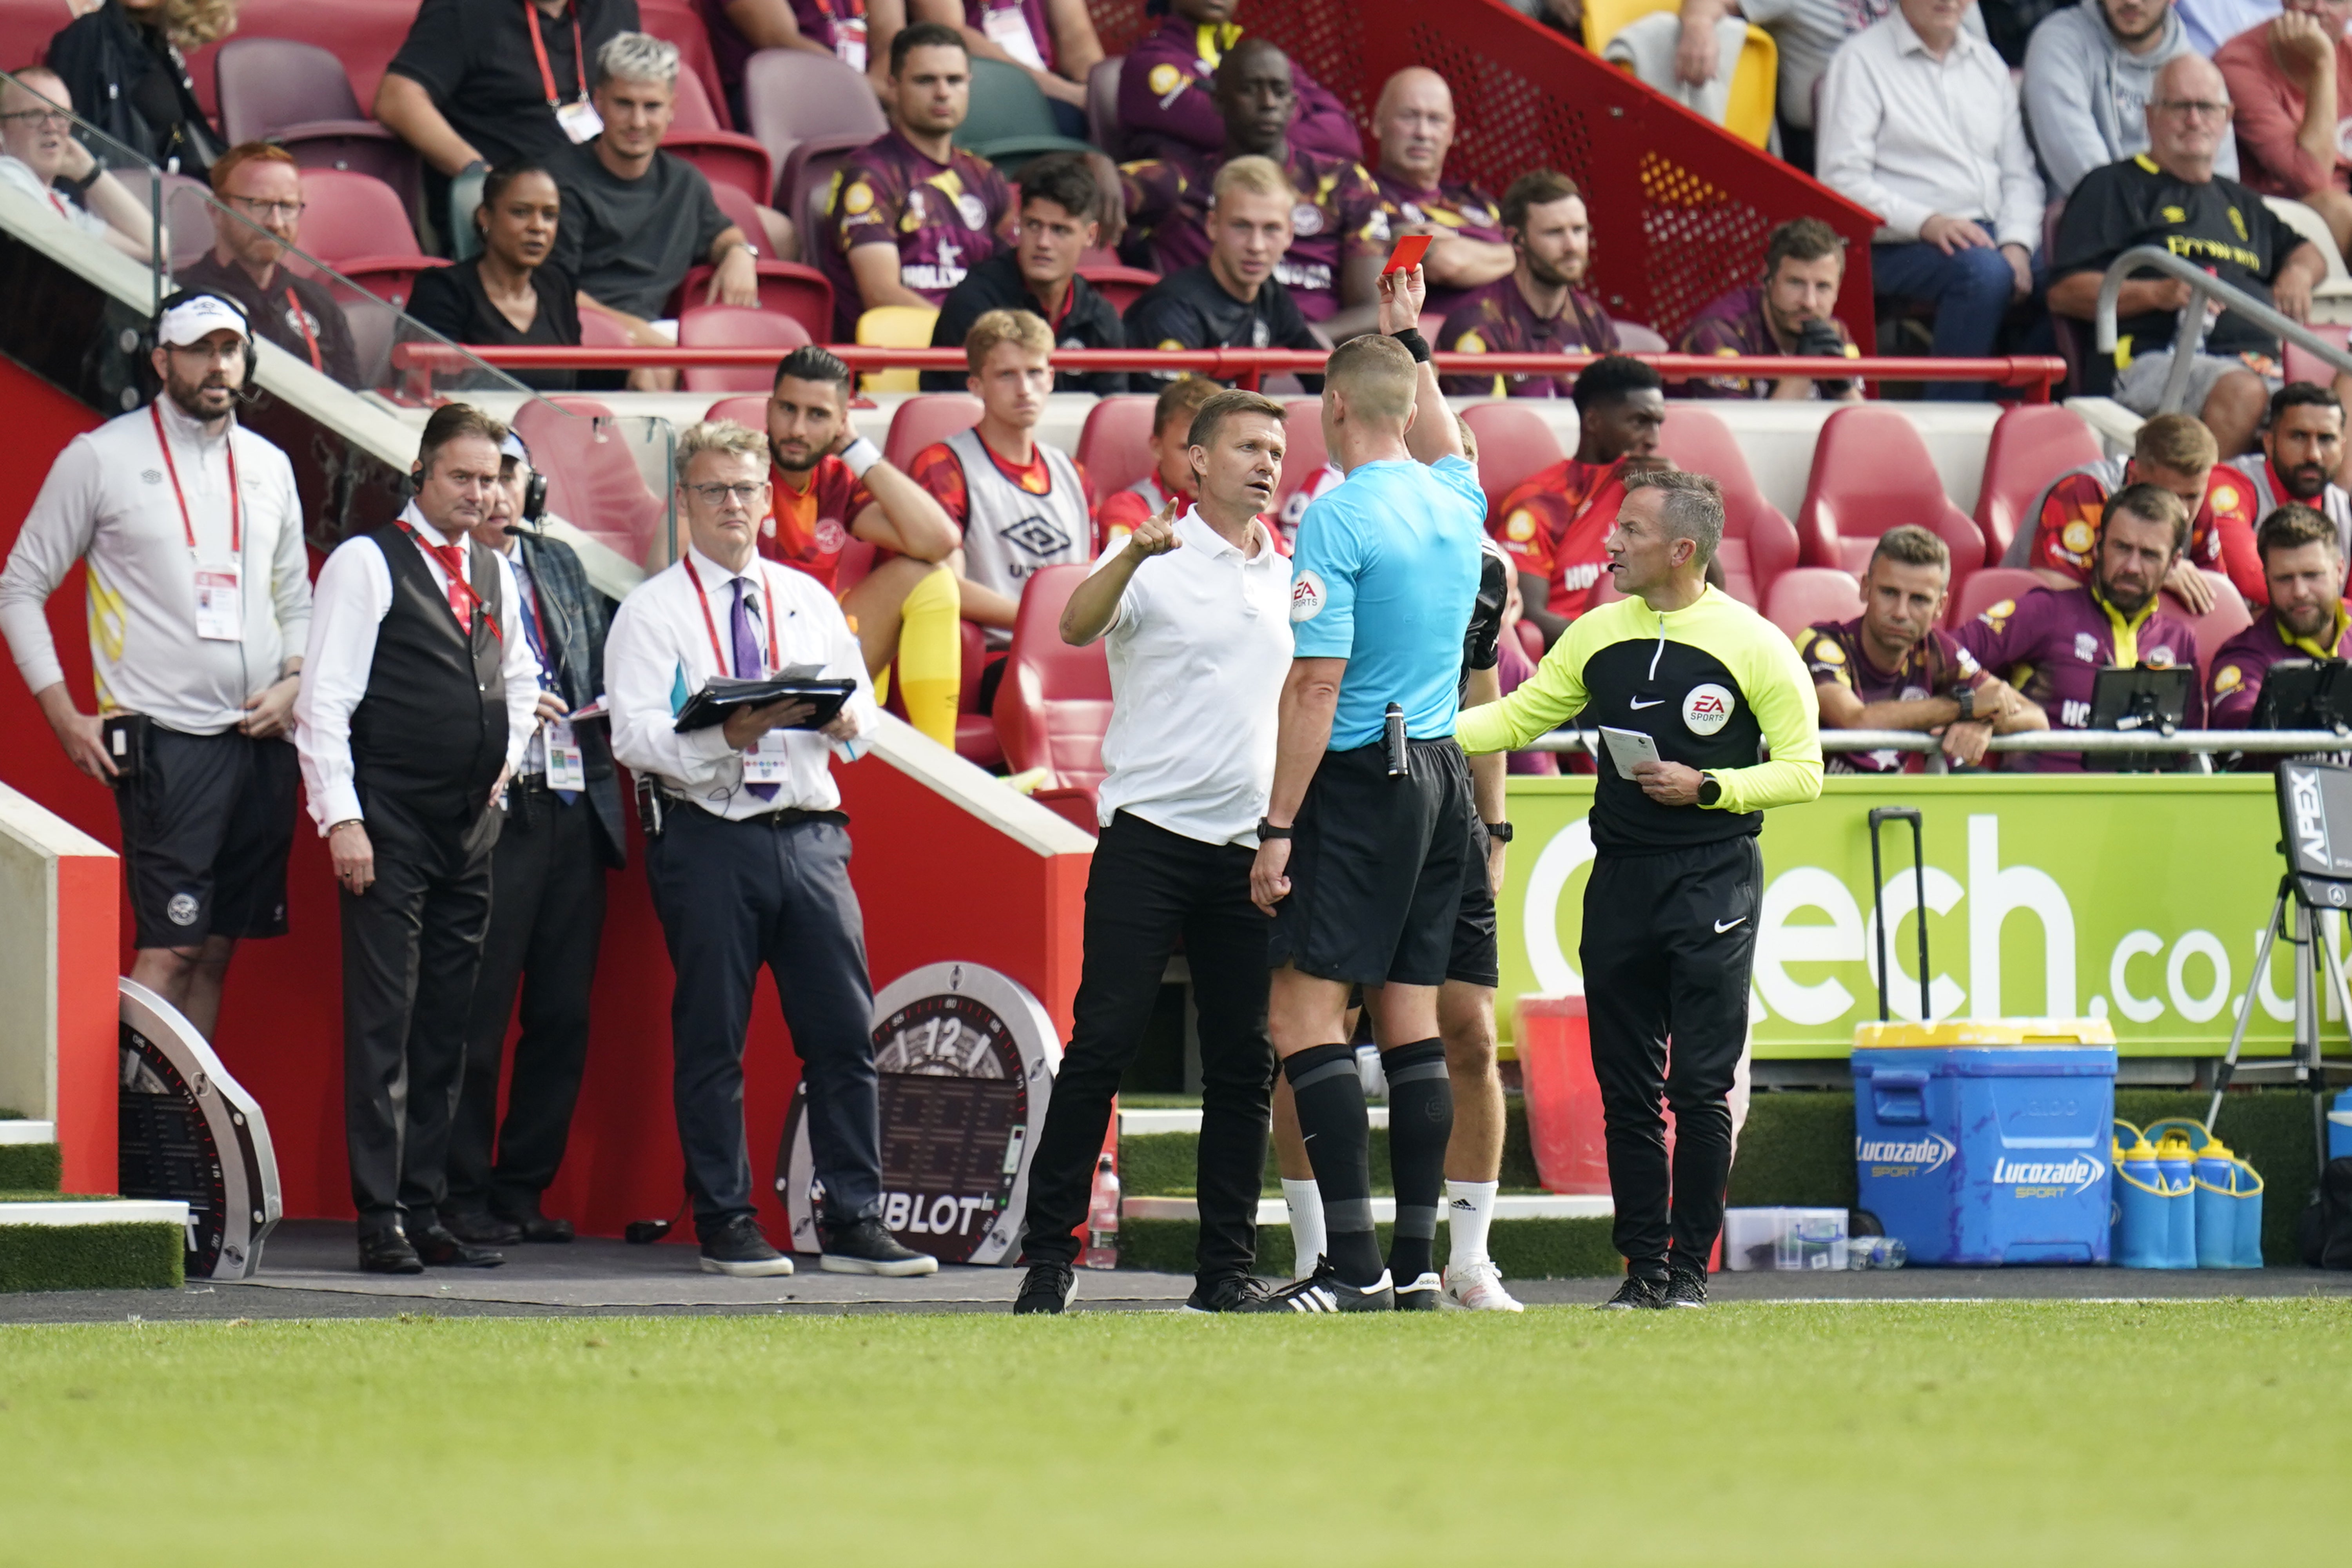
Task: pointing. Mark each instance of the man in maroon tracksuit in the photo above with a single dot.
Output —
(2305, 619)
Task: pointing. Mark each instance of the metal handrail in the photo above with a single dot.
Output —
(2097, 743)
(2203, 285)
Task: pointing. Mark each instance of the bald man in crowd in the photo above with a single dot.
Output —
(1414, 124)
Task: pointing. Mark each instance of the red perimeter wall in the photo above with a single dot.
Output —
(937, 885)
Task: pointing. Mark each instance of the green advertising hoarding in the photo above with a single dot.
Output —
(2139, 901)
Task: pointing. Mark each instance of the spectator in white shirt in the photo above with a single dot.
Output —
(1806, 33)
(1920, 124)
(38, 150)
(2090, 71)
(199, 591)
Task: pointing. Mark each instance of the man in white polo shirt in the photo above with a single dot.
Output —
(199, 604)
(1197, 611)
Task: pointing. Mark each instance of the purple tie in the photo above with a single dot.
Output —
(747, 662)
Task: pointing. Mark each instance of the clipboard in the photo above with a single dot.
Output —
(721, 699)
(1628, 748)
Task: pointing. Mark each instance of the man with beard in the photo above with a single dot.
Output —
(190, 531)
(2301, 454)
(2051, 643)
(2089, 74)
(1168, 109)
(2303, 566)
(260, 183)
(2174, 452)
(1792, 312)
(1541, 307)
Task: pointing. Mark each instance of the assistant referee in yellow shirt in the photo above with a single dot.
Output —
(1670, 910)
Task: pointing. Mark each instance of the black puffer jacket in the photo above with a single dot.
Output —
(133, 85)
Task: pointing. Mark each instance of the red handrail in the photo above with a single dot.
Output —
(2033, 372)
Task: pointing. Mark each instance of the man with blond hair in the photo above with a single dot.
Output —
(1232, 301)
(747, 855)
(2058, 537)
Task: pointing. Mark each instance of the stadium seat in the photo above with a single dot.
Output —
(599, 331)
(1102, 107)
(728, 159)
(1009, 123)
(1514, 441)
(295, 94)
(1054, 701)
(925, 418)
(591, 483)
(1114, 443)
(680, 22)
(2302, 365)
(977, 742)
(1803, 594)
(2226, 619)
(897, 326)
(1980, 591)
(787, 288)
(2032, 444)
(1759, 540)
(732, 326)
(1303, 458)
(364, 35)
(792, 96)
(1121, 286)
(1640, 337)
(1871, 471)
(346, 215)
(391, 279)
(27, 26)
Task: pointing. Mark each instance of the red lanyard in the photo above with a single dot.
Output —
(458, 581)
(302, 320)
(235, 511)
(539, 47)
(767, 611)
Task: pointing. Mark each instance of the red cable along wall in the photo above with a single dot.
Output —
(1524, 99)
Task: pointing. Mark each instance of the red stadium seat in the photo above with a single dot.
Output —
(2032, 444)
(599, 331)
(1759, 540)
(751, 411)
(1121, 286)
(794, 95)
(27, 26)
(1803, 594)
(728, 159)
(1115, 446)
(1102, 106)
(926, 417)
(348, 216)
(680, 22)
(295, 94)
(1513, 443)
(804, 190)
(2226, 619)
(364, 35)
(1872, 472)
(787, 288)
(976, 739)
(732, 326)
(1054, 701)
(591, 483)
(2302, 365)
(1303, 458)
(1980, 591)
(390, 278)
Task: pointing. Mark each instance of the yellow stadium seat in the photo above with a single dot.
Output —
(896, 327)
(1604, 19)
(1755, 78)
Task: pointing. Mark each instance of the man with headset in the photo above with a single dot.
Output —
(199, 602)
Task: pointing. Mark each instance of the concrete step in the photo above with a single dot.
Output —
(1187, 1119)
(1508, 1206)
(13, 1131)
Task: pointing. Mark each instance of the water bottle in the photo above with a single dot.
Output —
(1102, 1219)
(1875, 1252)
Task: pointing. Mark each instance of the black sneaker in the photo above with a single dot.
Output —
(1421, 1295)
(866, 1247)
(1324, 1291)
(1638, 1293)
(1233, 1293)
(1050, 1287)
(1685, 1287)
(740, 1249)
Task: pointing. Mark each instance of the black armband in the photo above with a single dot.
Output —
(1414, 344)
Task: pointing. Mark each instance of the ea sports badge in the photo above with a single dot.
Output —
(1707, 709)
(1305, 597)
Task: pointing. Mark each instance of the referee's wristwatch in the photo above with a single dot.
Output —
(1710, 789)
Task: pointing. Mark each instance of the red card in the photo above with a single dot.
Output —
(1407, 254)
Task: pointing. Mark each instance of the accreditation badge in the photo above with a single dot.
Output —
(580, 120)
(567, 765)
(220, 604)
(768, 762)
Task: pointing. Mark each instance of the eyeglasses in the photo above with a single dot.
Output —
(261, 208)
(2194, 108)
(718, 495)
(60, 118)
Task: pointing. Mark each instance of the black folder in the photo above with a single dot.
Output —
(720, 700)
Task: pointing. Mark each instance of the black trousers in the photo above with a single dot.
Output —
(412, 943)
(1669, 945)
(1147, 887)
(733, 897)
(547, 917)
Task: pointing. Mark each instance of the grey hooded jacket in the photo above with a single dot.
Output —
(2085, 99)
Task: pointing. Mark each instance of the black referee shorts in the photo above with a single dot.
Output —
(1376, 868)
(1477, 956)
(207, 823)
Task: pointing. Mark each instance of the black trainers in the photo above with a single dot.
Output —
(866, 1247)
(1233, 1293)
(1050, 1287)
(740, 1249)
(1637, 1294)
(1324, 1291)
(1685, 1287)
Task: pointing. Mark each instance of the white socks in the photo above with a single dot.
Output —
(1307, 1238)
(1469, 1210)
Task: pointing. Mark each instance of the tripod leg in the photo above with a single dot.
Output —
(2318, 1071)
(2246, 1013)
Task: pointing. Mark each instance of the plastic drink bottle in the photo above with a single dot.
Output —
(1102, 1219)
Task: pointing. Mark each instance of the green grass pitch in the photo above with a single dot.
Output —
(1920, 1434)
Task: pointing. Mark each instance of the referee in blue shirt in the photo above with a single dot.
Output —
(1361, 857)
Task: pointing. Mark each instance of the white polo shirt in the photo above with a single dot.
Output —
(1198, 654)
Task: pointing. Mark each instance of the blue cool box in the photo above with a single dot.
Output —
(1986, 1154)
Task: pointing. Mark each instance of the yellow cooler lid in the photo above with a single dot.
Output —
(1982, 1032)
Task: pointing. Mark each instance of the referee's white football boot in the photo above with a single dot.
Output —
(1324, 1291)
(1478, 1287)
(1421, 1295)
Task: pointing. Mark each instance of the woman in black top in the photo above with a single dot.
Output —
(123, 64)
(508, 294)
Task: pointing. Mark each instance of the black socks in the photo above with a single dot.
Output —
(1421, 1121)
(1329, 1095)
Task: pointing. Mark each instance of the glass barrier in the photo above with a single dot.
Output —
(608, 476)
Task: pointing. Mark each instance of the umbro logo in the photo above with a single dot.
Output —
(1038, 536)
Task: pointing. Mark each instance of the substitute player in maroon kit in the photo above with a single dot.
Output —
(2056, 537)
(1414, 124)
(2064, 637)
(1541, 307)
(2306, 618)
(1893, 668)
(1165, 104)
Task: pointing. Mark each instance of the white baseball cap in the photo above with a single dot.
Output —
(197, 317)
(512, 446)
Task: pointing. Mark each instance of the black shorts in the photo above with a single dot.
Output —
(1376, 868)
(207, 824)
(1477, 956)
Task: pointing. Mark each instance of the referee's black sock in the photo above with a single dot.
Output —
(1329, 1095)
(1421, 1121)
